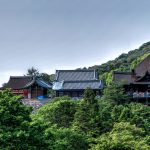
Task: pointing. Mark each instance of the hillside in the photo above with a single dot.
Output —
(125, 62)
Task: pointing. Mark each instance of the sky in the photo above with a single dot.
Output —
(68, 34)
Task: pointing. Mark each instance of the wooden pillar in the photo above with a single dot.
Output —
(36, 91)
(77, 93)
(30, 92)
(70, 94)
(146, 100)
(57, 93)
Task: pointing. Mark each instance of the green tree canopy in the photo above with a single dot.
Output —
(86, 118)
(115, 93)
(32, 72)
(14, 121)
(65, 139)
(60, 113)
(123, 136)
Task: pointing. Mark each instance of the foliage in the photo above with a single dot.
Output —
(115, 94)
(89, 96)
(65, 139)
(109, 123)
(45, 77)
(12, 112)
(134, 113)
(33, 72)
(125, 62)
(105, 116)
(14, 121)
(60, 113)
(123, 136)
(86, 119)
(135, 63)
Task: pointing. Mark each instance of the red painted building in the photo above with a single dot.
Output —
(29, 87)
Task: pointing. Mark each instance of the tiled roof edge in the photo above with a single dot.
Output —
(15, 77)
(82, 70)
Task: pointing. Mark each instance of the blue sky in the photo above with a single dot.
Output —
(65, 34)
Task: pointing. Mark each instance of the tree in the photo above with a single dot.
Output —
(138, 60)
(65, 139)
(45, 77)
(124, 136)
(4, 84)
(86, 118)
(134, 113)
(17, 130)
(14, 121)
(59, 112)
(33, 72)
(115, 94)
(89, 96)
(105, 116)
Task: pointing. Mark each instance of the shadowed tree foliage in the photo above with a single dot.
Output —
(59, 112)
(115, 94)
(125, 62)
(32, 72)
(65, 139)
(123, 136)
(134, 113)
(14, 121)
(86, 118)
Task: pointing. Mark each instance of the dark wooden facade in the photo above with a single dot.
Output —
(29, 87)
(34, 91)
(75, 93)
(137, 82)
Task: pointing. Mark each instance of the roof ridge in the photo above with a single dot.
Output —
(82, 70)
(148, 55)
(20, 76)
(146, 73)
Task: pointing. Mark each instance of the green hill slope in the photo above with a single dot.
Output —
(125, 62)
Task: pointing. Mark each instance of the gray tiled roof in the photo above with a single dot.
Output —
(94, 84)
(75, 75)
(76, 80)
(78, 85)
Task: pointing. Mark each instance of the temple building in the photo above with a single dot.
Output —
(74, 82)
(137, 82)
(28, 86)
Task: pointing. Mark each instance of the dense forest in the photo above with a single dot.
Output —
(111, 122)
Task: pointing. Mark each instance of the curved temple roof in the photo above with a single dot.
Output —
(22, 82)
(39, 82)
(77, 80)
(78, 85)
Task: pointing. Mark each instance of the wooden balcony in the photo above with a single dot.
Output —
(143, 97)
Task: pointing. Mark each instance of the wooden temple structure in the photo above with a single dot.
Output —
(28, 86)
(73, 82)
(137, 82)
